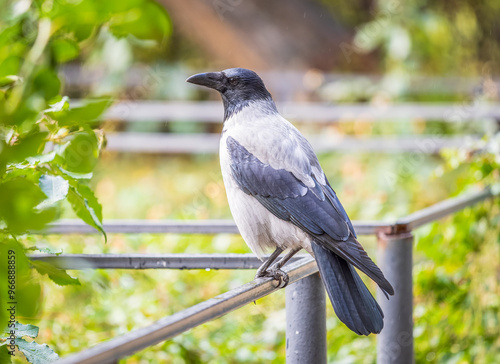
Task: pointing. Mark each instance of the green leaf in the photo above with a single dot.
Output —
(19, 198)
(46, 250)
(27, 292)
(148, 21)
(54, 187)
(65, 50)
(41, 158)
(80, 153)
(5, 357)
(86, 206)
(57, 275)
(25, 330)
(9, 81)
(61, 105)
(77, 175)
(46, 83)
(81, 115)
(22, 330)
(10, 66)
(27, 146)
(37, 353)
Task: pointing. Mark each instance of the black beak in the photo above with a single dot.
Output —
(210, 79)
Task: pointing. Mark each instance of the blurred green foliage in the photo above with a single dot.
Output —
(48, 148)
(455, 37)
(457, 286)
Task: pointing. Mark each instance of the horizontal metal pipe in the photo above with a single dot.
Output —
(154, 261)
(182, 321)
(75, 226)
(410, 222)
(442, 209)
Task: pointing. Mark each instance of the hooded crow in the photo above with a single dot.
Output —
(281, 199)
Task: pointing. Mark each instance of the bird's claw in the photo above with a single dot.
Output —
(281, 277)
(277, 274)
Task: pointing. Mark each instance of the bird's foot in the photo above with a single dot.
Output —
(275, 273)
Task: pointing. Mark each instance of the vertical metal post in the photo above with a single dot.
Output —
(395, 342)
(306, 321)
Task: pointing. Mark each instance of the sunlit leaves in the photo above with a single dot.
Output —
(80, 115)
(20, 197)
(36, 353)
(78, 176)
(21, 147)
(5, 357)
(65, 50)
(54, 187)
(80, 152)
(48, 147)
(41, 158)
(457, 286)
(26, 330)
(27, 289)
(46, 83)
(86, 206)
(27, 146)
(59, 276)
(143, 19)
(147, 21)
(83, 201)
(46, 250)
(57, 106)
(9, 81)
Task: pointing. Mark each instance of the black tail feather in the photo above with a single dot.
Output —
(352, 251)
(352, 301)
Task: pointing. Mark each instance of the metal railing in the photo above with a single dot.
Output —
(305, 296)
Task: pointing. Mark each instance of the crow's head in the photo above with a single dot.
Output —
(238, 86)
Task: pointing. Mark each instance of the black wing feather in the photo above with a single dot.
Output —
(316, 210)
(257, 178)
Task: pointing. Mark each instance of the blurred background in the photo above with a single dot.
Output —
(399, 98)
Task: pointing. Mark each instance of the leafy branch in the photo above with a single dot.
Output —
(14, 338)
(48, 146)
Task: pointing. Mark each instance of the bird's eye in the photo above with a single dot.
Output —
(233, 81)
